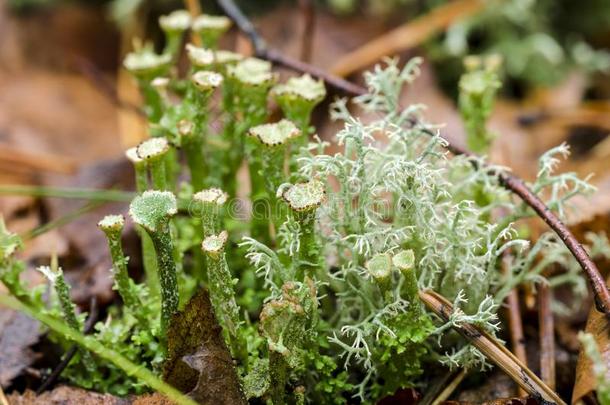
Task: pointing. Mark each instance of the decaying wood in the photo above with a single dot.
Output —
(406, 36)
(493, 350)
(198, 360)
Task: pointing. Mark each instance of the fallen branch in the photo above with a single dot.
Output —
(493, 350)
(507, 180)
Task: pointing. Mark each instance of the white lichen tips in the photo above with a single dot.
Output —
(302, 87)
(152, 148)
(146, 61)
(112, 223)
(252, 72)
(152, 209)
(380, 267)
(207, 22)
(304, 196)
(9, 242)
(206, 80)
(211, 196)
(275, 134)
(215, 244)
(49, 273)
(176, 21)
(199, 57)
(404, 260)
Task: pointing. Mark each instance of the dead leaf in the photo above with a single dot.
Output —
(18, 333)
(585, 383)
(64, 395)
(198, 361)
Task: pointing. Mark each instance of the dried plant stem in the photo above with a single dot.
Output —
(515, 324)
(546, 326)
(493, 350)
(448, 390)
(308, 14)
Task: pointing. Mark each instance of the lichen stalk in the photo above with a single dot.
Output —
(174, 25)
(149, 260)
(154, 152)
(112, 226)
(56, 276)
(303, 199)
(222, 295)
(153, 211)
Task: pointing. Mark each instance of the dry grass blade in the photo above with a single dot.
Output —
(406, 36)
(547, 335)
(493, 350)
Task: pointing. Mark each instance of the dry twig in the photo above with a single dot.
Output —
(493, 350)
(546, 329)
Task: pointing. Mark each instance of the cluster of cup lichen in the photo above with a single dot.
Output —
(319, 303)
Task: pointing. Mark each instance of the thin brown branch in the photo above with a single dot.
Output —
(491, 348)
(406, 36)
(506, 179)
(194, 9)
(546, 327)
(515, 324)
